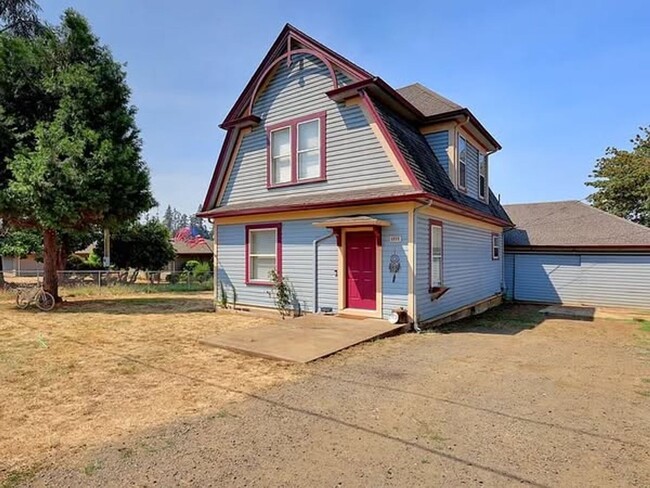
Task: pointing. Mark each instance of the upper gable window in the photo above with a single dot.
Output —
(297, 151)
(462, 163)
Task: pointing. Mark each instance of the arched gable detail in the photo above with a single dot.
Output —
(287, 56)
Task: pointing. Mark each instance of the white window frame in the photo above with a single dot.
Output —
(273, 170)
(435, 282)
(299, 151)
(462, 161)
(252, 255)
(482, 173)
(496, 247)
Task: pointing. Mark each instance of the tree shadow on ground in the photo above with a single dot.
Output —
(137, 305)
(506, 319)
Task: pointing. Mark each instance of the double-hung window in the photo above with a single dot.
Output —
(263, 252)
(482, 176)
(496, 248)
(462, 162)
(435, 254)
(297, 151)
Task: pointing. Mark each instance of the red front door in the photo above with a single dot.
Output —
(361, 270)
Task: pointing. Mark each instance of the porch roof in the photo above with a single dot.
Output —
(360, 221)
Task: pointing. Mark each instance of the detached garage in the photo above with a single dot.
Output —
(572, 253)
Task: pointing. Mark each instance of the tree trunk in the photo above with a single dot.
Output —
(2, 275)
(61, 257)
(50, 255)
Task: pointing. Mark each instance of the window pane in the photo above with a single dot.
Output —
(309, 164)
(262, 241)
(436, 240)
(308, 135)
(280, 143)
(436, 271)
(260, 268)
(462, 175)
(282, 169)
(481, 185)
(462, 148)
(436, 256)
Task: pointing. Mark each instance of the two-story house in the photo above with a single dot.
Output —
(367, 198)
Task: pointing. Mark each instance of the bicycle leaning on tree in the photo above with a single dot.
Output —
(35, 295)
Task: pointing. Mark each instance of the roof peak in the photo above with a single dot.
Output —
(426, 100)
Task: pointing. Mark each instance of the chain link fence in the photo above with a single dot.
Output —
(153, 280)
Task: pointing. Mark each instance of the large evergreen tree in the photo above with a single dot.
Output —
(19, 17)
(68, 137)
(622, 181)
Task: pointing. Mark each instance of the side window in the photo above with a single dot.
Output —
(482, 176)
(496, 248)
(462, 163)
(435, 254)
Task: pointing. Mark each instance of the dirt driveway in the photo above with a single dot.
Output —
(501, 400)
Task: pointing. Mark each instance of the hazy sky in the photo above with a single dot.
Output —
(554, 82)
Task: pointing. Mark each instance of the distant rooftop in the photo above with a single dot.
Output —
(571, 224)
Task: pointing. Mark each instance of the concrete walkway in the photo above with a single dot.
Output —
(303, 339)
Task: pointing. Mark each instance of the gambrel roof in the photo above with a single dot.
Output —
(398, 114)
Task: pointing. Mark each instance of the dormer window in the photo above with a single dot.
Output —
(462, 163)
(296, 151)
(482, 176)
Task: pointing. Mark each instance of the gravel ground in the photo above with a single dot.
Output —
(511, 403)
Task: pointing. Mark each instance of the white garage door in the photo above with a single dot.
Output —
(604, 279)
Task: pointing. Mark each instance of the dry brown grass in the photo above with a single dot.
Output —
(101, 368)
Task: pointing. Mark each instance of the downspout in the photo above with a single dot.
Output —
(315, 268)
(215, 265)
(416, 326)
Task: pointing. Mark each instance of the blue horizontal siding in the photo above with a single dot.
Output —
(607, 279)
(395, 292)
(439, 143)
(468, 268)
(355, 157)
(297, 264)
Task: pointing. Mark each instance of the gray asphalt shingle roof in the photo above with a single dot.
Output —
(427, 101)
(571, 224)
(299, 201)
(427, 169)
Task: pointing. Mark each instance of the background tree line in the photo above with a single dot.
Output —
(175, 220)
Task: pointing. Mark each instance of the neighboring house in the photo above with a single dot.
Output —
(570, 252)
(184, 253)
(368, 199)
(25, 266)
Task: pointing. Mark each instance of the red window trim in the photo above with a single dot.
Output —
(292, 124)
(437, 223)
(278, 251)
(492, 247)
